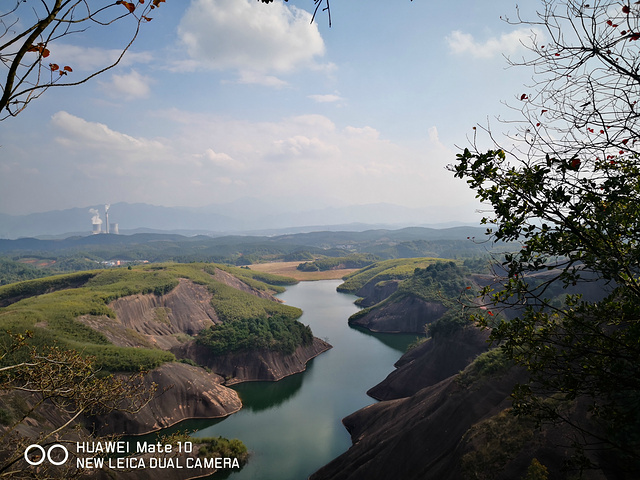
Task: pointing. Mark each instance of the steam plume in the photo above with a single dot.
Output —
(96, 216)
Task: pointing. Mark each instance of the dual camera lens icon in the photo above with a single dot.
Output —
(56, 454)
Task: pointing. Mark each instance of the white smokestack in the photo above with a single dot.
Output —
(106, 216)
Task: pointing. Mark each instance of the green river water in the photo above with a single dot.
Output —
(293, 427)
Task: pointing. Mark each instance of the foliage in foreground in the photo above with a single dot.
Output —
(220, 447)
(66, 381)
(568, 192)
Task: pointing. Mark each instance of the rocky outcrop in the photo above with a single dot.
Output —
(375, 292)
(254, 364)
(431, 362)
(418, 437)
(408, 314)
(184, 392)
(160, 319)
(235, 282)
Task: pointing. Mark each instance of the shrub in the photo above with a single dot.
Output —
(272, 333)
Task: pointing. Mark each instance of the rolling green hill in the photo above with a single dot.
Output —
(50, 307)
(396, 269)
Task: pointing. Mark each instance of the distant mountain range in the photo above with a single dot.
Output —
(246, 216)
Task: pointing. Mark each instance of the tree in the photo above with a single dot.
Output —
(567, 193)
(38, 384)
(30, 31)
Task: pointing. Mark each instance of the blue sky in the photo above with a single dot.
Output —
(220, 100)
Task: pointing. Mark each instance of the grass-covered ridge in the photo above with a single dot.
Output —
(440, 281)
(49, 307)
(396, 269)
(357, 260)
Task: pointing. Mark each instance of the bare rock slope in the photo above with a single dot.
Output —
(408, 315)
(433, 361)
(253, 365)
(183, 392)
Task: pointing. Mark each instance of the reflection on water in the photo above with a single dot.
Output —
(258, 396)
(397, 341)
(293, 427)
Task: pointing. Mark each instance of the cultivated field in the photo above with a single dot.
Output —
(288, 269)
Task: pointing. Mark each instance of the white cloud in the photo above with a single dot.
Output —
(101, 150)
(248, 36)
(508, 43)
(301, 146)
(329, 98)
(129, 86)
(257, 78)
(363, 133)
(209, 159)
(81, 133)
(221, 160)
(89, 59)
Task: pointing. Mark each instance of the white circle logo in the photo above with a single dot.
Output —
(46, 454)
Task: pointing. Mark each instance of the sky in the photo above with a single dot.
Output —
(220, 100)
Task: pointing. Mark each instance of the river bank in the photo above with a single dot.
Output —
(294, 426)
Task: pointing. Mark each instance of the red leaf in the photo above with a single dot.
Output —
(575, 163)
(130, 6)
(538, 124)
(626, 9)
(524, 96)
(543, 111)
(45, 52)
(624, 142)
(53, 67)
(67, 68)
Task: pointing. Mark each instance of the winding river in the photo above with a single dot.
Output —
(293, 427)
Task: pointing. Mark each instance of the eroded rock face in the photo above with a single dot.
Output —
(408, 315)
(418, 437)
(235, 282)
(375, 292)
(255, 364)
(431, 362)
(159, 320)
(184, 392)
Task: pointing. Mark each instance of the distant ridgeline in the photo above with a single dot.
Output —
(28, 258)
(77, 311)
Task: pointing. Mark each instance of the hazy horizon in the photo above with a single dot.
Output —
(220, 100)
